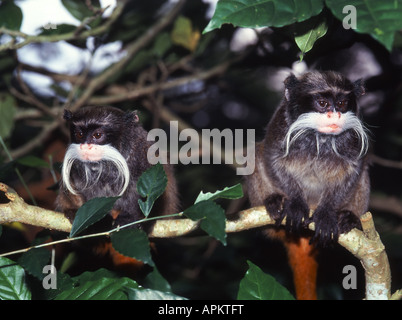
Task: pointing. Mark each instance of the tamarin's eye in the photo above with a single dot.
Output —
(97, 135)
(79, 135)
(342, 104)
(323, 103)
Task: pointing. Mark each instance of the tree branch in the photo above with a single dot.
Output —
(74, 35)
(17, 210)
(385, 162)
(368, 248)
(138, 92)
(36, 141)
(131, 50)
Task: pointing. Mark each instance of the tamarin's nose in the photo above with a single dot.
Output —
(331, 114)
(88, 146)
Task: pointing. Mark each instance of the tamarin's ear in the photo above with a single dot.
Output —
(359, 88)
(290, 82)
(67, 115)
(132, 116)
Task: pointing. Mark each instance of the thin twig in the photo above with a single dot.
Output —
(130, 50)
(92, 235)
(17, 171)
(35, 142)
(385, 162)
(133, 94)
(33, 100)
(12, 45)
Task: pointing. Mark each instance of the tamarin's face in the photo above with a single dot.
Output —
(92, 128)
(95, 138)
(324, 102)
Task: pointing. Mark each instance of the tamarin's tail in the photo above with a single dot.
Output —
(302, 260)
(129, 266)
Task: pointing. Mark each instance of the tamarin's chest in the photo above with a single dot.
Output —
(315, 177)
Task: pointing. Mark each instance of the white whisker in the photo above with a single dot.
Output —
(317, 142)
(109, 153)
(333, 145)
(311, 120)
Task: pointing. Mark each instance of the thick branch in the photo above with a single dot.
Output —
(17, 210)
(368, 248)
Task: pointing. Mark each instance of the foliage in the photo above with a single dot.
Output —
(91, 212)
(129, 242)
(151, 186)
(171, 70)
(256, 285)
(380, 19)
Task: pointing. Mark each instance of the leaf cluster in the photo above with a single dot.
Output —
(380, 19)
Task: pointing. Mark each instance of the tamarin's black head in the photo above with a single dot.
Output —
(322, 92)
(99, 125)
(99, 136)
(325, 102)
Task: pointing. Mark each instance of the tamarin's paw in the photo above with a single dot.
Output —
(347, 220)
(326, 227)
(273, 204)
(296, 211)
(70, 215)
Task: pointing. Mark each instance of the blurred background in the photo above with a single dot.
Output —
(152, 57)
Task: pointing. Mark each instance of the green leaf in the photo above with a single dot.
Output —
(162, 44)
(34, 260)
(151, 185)
(257, 285)
(234, 192)
(94, 276)
(91, 212)
(155, 281)
(149, 294)
(79, 9)
(263, 13)
(138, 62)
(380, 19)
(10, 15)
(99, 285)
(133, 243)
(184, 35)
(12, 281)
(7, 111)
(212, 218)
(32, 161)
(317, 28)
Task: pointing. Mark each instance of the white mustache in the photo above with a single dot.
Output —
(109, 153)
(311, 120)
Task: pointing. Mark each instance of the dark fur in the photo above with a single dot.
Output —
(125, 134)
(336, 188)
